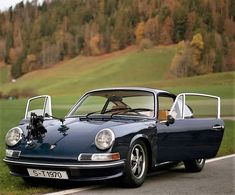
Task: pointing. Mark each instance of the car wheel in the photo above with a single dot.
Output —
(194, 165)
(136, 165)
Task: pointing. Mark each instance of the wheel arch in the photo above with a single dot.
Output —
(144, 138)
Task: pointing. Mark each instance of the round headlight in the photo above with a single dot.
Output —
(13, 136)
(104, 139)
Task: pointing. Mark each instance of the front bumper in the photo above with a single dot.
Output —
(76, 171)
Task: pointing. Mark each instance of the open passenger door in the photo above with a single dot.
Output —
(197, 130)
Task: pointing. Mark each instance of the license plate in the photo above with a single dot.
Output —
(47, 173)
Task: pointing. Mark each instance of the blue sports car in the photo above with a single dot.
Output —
(115, 133)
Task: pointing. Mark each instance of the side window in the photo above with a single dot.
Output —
(39, 105)
(201, 106)
(193, 105)
(165, 103)
(177, 109)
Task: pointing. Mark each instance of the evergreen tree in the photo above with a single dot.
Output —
(232, 9)
(207, 17)
(218, 62)
(16, 70)
(9, 44)
(180, 19)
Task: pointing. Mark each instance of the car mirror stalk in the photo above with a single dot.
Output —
(170, 120)
(60, 119)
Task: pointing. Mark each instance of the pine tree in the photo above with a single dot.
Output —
(180, 19)
(232, 10)
(16, 70)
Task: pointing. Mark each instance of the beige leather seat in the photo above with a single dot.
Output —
(162, 115)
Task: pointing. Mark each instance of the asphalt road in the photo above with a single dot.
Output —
(217, 177)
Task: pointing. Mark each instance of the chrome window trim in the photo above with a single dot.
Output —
(47, 103)
(195, 94)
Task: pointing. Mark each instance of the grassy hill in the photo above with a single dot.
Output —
(124, 68)
(128, 67)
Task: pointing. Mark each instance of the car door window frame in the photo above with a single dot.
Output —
(166, 95)
(46, 106)
(185, 108)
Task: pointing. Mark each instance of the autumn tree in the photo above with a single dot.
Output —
(120, 31)
(139, 32)
(151, 29)
(2, 48)
(182, 61)
(197, 45)
(29, 63)
(191, 20)
(94, 44)
(166, 31)
(12, 55)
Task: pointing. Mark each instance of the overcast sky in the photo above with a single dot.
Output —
(5, 4)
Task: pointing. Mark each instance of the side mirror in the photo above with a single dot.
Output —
(170, 120)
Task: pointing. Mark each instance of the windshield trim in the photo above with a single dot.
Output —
(80, 101)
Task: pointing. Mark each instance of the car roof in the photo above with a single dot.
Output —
(156, 91)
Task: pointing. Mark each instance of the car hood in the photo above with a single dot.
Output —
(69, 140)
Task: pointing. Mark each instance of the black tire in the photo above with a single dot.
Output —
(194, 165)
(136, 166)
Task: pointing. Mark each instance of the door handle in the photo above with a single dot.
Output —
(218, 127)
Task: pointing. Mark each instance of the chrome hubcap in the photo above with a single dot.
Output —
(137, 161)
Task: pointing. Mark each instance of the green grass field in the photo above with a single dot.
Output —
(67, 81)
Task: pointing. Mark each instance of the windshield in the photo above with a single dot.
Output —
(116, 102)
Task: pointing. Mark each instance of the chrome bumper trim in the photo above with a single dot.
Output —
(88, 166)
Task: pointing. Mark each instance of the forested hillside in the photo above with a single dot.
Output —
(36, 36)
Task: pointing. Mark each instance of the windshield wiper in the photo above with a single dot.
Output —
(135, 110)
(90, 113)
